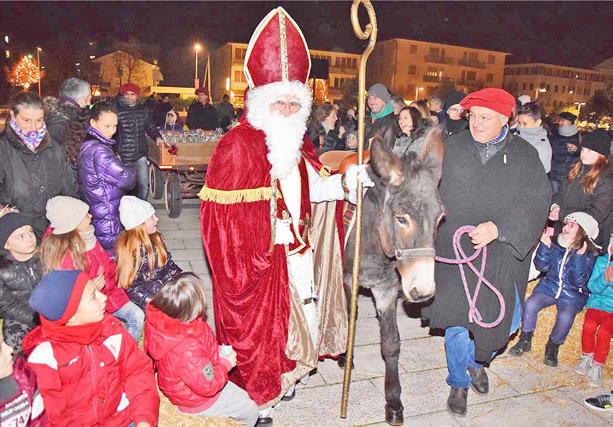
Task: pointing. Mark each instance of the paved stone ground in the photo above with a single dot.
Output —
(523, 392)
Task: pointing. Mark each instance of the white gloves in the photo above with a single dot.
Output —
(283, 233)
(353, 175)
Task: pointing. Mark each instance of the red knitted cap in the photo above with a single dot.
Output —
(493, 98)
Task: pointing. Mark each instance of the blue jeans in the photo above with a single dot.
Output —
(460, 350)
(564, 319)
(142, 177)
(133, 319)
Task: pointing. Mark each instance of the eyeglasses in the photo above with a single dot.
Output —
(481, 117)
(282, 105)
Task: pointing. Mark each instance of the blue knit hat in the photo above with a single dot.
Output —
(58, 294)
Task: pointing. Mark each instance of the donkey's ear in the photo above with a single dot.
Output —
(385, 163)
(433, 150)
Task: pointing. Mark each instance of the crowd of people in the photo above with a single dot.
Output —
(84, 270)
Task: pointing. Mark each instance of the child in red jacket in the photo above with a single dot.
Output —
(70, 244)
(20, 402)
(89, 370)
(192, 368)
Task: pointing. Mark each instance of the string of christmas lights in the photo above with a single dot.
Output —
(24, 73)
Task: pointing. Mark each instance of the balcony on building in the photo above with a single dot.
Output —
(438, 59)
(471, 63)
(476, 84)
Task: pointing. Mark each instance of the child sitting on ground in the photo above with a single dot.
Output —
(89, 370)
(71, 244)
(20, 271)
(567, 264)
(20, 402)
(144, 264)
(192, 369)
(598, 323)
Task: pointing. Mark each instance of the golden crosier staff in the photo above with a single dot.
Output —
(370, 34)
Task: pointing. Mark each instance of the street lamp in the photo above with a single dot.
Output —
(38, 51)
(197, 48)
(417, 90)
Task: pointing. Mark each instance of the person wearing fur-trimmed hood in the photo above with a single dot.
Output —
(275, 257)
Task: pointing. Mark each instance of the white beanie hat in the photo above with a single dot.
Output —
(585, 221)
(523, 99)
(134, 211)
(65, 213)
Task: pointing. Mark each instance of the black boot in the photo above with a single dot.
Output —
(456, 402)
(551, 354)
(524, 345)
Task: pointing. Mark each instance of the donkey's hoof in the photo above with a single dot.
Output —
(342, 361)
(393, 416)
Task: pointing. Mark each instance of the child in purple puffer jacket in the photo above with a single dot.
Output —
(103, 177)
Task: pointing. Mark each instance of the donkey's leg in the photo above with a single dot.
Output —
(386, 301)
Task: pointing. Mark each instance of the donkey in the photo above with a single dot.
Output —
(401, 214)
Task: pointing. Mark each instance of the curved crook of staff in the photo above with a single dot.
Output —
(370, 34)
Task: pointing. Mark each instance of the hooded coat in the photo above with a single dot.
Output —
(103, 180)
(108, 382)
(186, 357)
(29, 178)
(511, 190)
(566, 273)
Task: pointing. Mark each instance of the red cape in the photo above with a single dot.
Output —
(250, 284)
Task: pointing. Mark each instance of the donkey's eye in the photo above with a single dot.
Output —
(402, 220)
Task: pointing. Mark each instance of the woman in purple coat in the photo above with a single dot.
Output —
(103, 177)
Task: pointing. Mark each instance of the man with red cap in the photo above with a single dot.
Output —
(494, 181)
(201, 114)
(134, 122)
(271, 240)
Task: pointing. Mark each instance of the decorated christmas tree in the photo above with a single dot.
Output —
(24, 73)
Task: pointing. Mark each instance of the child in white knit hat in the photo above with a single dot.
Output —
(70, 244)
(144, 264)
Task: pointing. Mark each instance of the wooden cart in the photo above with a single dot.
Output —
(180, 175)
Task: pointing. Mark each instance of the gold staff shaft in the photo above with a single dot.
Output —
(370, 34)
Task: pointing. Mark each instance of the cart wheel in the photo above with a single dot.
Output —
(156, 182)
(172, 195)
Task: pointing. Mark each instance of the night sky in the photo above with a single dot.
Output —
(568, 33)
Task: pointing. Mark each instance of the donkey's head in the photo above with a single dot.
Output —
(411, 210)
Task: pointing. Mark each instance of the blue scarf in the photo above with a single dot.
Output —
(388, 109)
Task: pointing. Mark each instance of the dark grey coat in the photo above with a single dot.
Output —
(516, 197)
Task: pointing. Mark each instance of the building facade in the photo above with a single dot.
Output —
(227, 77)
(416, 69)
(120, 67)
(556, 87)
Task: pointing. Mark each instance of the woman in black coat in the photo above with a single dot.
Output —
(589, 186)
(322, 129)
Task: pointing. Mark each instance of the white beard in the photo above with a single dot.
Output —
(284, 135)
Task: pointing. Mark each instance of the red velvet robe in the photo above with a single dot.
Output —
(250, 283)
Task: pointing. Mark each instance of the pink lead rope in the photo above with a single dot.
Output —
(461, 259)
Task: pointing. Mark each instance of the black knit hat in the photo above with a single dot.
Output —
(453, 98)
(568, 116)
(598, 141)
(9, 223)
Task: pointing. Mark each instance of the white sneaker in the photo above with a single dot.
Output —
(594, 375)
(585, 364)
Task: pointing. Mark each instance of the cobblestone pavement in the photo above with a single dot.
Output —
(523, 392)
